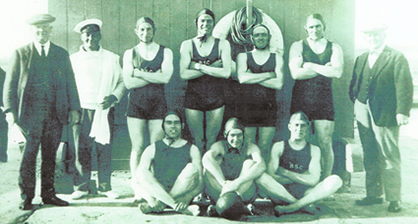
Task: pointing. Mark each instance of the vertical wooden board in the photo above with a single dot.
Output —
(126, 22)
(76, 14)
(93, 8)
(144, 8)
(60, 32)
(110, 27)
(162, 15)
(178, 33)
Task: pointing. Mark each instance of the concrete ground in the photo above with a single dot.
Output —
(95, 209)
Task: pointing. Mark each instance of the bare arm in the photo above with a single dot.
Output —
(257, 169)
(245, 76)
(276, 153)
(197, 164)
(186, 72)
(296, 63)
(165, 73)
(333, 69)
(277, 81)
(312, 175)
(212, 165)
(225, 70)
(130, 81)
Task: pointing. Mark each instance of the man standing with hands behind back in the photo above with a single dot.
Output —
(40, 95)
(382, 91)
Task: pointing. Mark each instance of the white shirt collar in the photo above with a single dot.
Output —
(38, 47)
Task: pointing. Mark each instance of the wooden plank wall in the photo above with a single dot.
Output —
(174, 20)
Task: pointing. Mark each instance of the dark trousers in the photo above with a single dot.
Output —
(43, 128)
(83, 151)
(382, 160)
(3, 137)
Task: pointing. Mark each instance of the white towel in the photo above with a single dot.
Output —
(100, 129)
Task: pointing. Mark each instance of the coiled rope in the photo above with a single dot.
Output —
(240, 30)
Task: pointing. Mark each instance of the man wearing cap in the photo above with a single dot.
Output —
(232, 166)
(170, 171)
(381, 90)
(40, 95)
(100, 85)
(292, 180)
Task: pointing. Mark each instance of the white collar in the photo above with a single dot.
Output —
(38, 47)
(93, 53)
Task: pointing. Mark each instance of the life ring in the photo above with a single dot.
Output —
(222, 29)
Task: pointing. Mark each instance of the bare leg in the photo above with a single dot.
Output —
(322, 190)
(247, 190)
(156, 131)
(266, 135)
(136, 128)
(250, 135)
(153, 191)
(213, 125)
(324, 129)
(195, 122)
(213, 187)
(274, 190)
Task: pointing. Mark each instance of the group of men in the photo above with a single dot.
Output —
(45, 89)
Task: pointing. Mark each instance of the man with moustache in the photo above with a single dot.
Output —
(382, 92)
(260, 74)
(100, 85)
(294, 170)
(231, 167)
(40, 95)
(170, 171)
(313, 63)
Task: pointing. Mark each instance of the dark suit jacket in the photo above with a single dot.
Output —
(391, 89)
(17, 78)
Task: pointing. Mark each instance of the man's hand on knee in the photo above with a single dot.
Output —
(230, 186)
(182, 203)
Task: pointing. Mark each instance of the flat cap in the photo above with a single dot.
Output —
(374, 27)
(40, 18)
(86, 22)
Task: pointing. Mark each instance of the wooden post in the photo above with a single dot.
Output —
(249, 13)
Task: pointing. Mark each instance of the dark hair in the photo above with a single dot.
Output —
(170, 112)
(145, 20)
(203, 12)
(233, 123)
(316, 16)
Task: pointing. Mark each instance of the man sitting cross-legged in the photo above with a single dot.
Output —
(232, 166)
(294, 170)
(170, 171)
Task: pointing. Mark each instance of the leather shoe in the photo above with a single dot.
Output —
(54, 200)
(369, 201)
(394, 206)
(26, 204)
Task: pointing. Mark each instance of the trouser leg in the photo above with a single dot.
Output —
(371, 156)
(83, 151)
(387, 138)
(104, 157)
(50, 141)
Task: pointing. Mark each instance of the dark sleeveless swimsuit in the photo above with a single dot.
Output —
(147, 102)
(314, 96)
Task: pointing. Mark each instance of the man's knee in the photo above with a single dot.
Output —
(333, 180)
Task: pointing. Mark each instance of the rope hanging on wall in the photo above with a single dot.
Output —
(240, 30)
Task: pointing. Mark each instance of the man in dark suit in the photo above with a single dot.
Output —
(382, 92)
(40, 95)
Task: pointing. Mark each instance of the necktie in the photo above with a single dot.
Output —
(43, 51)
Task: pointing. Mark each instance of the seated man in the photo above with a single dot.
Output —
(170, 171)
(294, 170)
(232, 166)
